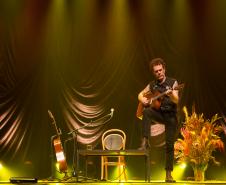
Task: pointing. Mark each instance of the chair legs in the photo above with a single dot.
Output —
(119, 169)
(120, 165)
(106, 171)
(102, 168)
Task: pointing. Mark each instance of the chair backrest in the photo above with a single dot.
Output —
(114, 139)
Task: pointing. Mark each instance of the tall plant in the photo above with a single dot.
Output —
(200, 139)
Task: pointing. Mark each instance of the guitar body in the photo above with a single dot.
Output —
(154, 100)
(140, 109)
(60, 154)
(156, 103)
(59, 151)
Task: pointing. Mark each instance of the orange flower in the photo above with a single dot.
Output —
(200, 138)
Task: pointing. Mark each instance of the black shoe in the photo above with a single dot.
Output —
(170, 180)
(169, 177)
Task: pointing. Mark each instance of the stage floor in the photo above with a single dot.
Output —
(44, 182)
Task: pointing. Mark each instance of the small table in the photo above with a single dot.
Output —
(144, 153)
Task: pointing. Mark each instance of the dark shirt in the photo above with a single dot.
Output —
(167, 105)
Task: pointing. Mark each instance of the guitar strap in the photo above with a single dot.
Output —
(153, 85)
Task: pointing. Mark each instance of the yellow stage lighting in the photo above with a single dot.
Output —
(179, 170)
(183, 165)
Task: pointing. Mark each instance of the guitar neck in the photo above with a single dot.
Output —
(158, 96)
(58, 132)
(162, 94)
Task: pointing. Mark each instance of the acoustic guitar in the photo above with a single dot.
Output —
(154, 100)
(61, 159)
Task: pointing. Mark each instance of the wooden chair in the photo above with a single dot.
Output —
(113, 139)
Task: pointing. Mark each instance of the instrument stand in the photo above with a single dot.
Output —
(75, 150)
(52, 177)
(75, 172)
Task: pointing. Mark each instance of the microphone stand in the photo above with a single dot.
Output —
(75, 138)
(74, 132)
(75, 148)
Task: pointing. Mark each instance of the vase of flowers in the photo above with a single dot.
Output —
(199, 172)
(200, 137)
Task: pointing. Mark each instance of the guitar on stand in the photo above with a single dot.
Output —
(59, 151)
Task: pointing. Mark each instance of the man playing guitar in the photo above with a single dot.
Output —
(163, 109)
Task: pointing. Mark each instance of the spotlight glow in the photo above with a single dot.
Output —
(1, 167)
(57, 166)
(4, 172)
(116, 176)
(183, 165)
(179, 170)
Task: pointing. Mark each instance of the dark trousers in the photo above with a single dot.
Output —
(170, 120)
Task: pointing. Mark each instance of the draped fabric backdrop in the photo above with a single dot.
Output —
(80, 58)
